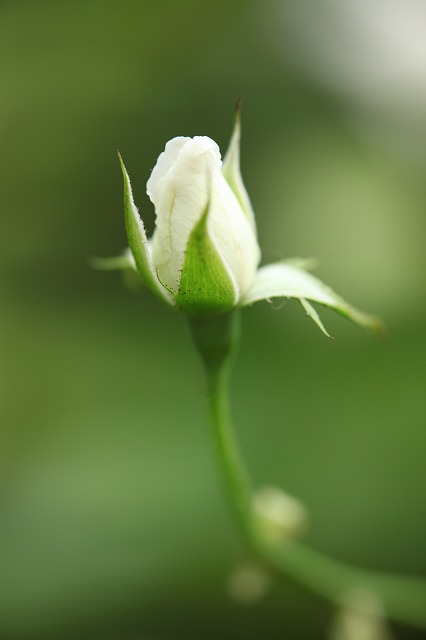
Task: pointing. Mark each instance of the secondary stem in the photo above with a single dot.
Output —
(404, 598)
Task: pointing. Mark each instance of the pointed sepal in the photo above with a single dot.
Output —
(206, 286)
(286, 280)
(115, 263)
(231, 168)
(138, 241)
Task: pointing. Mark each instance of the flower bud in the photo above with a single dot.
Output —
(361, 617)
(203, 257)
(204, 247)
(277, 516)
(248, 583)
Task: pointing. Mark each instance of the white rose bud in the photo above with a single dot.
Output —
(204, 247)
(203, 257)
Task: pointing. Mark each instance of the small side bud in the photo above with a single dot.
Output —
(278, 517)
(361, 617)
(248, 583)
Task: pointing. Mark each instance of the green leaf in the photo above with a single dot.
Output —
(138, 241)
(282, 280)
(206, 287)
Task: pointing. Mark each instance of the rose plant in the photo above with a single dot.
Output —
(203, 256)
(203, 260)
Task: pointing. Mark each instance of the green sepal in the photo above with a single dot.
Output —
(138, 241)
(114, 263)
(124, 263)
(231, 168)
(286, 280)
(314, 315)
(206, 287)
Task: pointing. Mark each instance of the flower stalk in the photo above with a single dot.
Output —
(217, 340)
(403, 598)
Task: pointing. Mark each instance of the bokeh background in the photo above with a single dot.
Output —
(112, 524)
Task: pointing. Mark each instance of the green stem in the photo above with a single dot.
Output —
(404, 598)
(217, 341)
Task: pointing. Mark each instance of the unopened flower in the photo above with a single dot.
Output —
(277, 516)
(203, 256)
(360, 617)
(249, 583)
(204, 247)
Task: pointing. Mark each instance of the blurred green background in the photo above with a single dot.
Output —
(112, 524)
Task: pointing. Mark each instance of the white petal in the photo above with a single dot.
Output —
(179, 188)
(165, 161)
(232, 233)
(187, 177)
